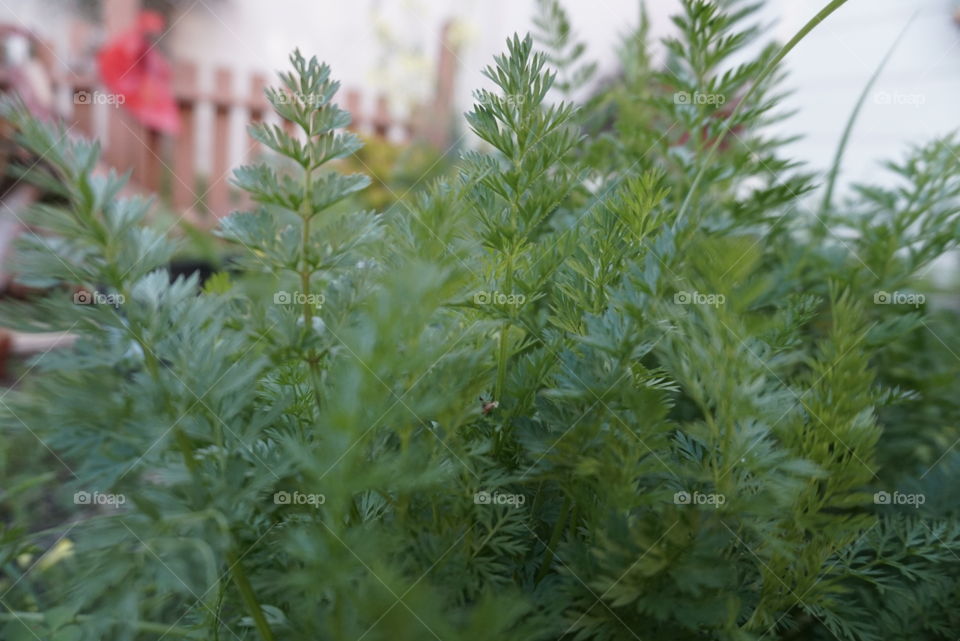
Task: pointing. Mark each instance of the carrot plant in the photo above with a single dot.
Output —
(612, 380)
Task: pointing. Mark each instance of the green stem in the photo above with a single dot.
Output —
(186, 450)
(305, 271)
(149, 358)
(503, 357)
(502, 362)
(838, 157)
(537, 500)
(249, 598)
(807, 28)
(504, 337)
(490, 535)
(554, 538)
(307, 213)
(143, 626)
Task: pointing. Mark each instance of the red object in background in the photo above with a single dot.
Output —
(130, 66)
(724, 135)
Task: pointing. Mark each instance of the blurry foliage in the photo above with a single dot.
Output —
(395, 170)
(535, 402)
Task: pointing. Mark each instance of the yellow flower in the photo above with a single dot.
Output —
(62, 550)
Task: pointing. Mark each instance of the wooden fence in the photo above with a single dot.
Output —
(168, 165)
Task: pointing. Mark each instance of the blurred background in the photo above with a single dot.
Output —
(168, 86)
(396, 49)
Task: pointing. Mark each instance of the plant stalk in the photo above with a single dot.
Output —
(800, 35)
(848, 129)
(504, 338)
(249, 598)
(307, 214)
(554, 538)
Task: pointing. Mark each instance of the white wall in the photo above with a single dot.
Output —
(258, 35)
(828, 69)
(914, 99)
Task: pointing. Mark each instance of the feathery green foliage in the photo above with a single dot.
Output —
(534, 402)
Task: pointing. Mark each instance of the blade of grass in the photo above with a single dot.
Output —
(800, 35)
(844, 139)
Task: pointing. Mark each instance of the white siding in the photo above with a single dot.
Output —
(828, 69)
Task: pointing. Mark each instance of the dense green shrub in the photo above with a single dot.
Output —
(614, 381)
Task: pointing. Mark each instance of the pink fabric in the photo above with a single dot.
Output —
(132, 67)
